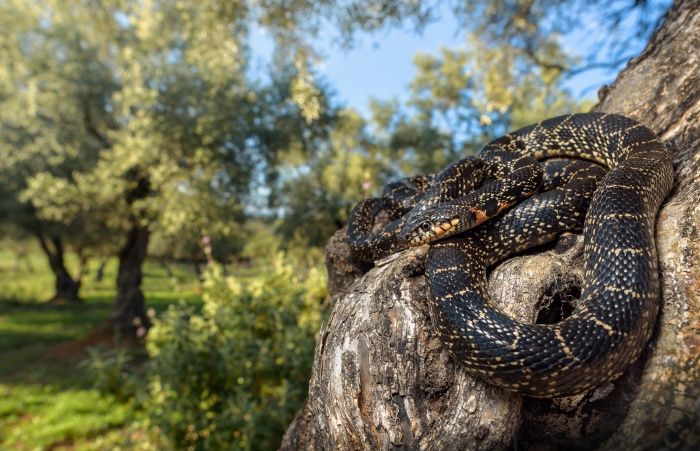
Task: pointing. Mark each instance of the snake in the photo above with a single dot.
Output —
(605, 174)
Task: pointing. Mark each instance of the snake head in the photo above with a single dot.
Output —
(430, 226)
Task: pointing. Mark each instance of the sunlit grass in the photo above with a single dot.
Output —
(35, 416)
(24, 279)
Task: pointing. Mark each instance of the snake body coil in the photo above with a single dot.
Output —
(619, 301)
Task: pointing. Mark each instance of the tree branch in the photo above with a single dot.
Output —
(92, 128)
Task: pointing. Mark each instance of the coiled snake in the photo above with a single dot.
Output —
(619, 300)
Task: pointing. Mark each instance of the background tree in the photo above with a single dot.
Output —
(532, 29)
(54, 90)
(141, 116)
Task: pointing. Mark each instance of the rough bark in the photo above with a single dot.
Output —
(128, 312)
(66, 287)
(382, 380)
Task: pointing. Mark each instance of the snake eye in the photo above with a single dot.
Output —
(429, 230)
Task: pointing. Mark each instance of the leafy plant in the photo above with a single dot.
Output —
(234, 374)
(117, 372)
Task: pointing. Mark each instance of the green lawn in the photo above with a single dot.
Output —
(47, 394)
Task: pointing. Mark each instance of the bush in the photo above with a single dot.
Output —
(234, 374)
(114, 372)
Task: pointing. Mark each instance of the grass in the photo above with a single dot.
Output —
(46, 416)
(47, 394)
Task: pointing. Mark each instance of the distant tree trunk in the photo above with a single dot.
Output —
(198, 269)
(100, 273)
(382, 379)
(82, 265)
(66, 288)
(166, 267)
(129, 313)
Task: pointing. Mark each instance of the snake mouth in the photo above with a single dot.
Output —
(429, 234)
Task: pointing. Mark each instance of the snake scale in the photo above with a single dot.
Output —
(528, 188)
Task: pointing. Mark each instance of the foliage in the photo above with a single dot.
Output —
(29, 332)
(459, 101)
(142, 114)
(156, 91)
(234, 374)
(262, 243)
(316, 193)
(532, 28)
(115, 372)
(468, 96)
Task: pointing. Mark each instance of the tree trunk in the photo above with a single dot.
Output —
(66, 288)
(382, 379)
(82, 265)
(166, 267)
(100, 273)
(128, 313)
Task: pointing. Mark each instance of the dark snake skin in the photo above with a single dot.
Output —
(619, 301)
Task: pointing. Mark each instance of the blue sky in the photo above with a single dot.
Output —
(381, 65)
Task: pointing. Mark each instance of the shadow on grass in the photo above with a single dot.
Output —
(25, 325)
(49, 395)
(40, 340)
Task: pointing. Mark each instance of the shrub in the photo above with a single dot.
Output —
(234, 374)
(113, 372)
